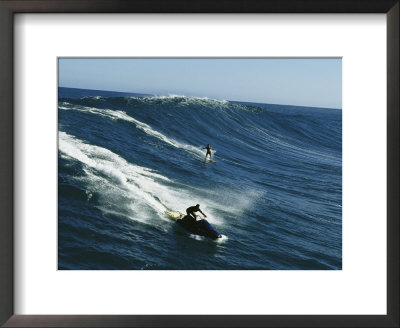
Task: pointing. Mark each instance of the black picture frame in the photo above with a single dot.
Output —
(10, 7)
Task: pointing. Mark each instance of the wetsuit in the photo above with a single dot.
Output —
(208, 151)
(191, 210)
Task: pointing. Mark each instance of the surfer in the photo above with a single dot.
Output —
(208, 150)
(190, 211)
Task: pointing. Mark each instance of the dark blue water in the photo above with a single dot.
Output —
(274, 191)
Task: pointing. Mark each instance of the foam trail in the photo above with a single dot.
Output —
(113, 168)
(121, 115)
(128, 189)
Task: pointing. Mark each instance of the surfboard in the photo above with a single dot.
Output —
(174, 215)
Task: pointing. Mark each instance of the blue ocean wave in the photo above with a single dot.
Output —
(273, 188)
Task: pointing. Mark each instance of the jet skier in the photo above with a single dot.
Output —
(191, 212)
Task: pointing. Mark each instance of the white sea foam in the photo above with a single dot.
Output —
(114, 171)
(185, 98)
(121, 115)
(130, 190)
(197, 237)
(222, 240)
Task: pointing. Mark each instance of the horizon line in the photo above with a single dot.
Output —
(242, 101)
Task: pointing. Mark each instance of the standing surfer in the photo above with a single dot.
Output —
(190, 211)
(208, 150)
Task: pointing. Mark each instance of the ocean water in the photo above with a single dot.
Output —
(274, 190)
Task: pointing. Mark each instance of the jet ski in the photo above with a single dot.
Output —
(200, 228)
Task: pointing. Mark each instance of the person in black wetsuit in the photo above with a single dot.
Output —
(208, 150)
(190, 211)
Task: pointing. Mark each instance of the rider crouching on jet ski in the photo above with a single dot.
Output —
(190, 211)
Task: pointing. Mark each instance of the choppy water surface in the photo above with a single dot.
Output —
(274, 190)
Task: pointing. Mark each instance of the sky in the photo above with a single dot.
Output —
(286, 81)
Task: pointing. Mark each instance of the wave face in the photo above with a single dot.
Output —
(274, 189)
